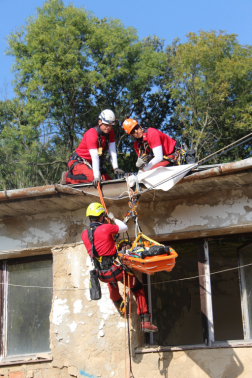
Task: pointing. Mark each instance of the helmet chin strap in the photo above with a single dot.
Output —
(101, 132)
(139, 139)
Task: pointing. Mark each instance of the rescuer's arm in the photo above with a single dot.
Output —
(113, 159)
(158, 157)
(95, 165)
(113, 155)
(122, 226)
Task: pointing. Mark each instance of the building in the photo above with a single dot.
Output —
(203, 308)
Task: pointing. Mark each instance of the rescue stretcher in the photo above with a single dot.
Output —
(150, 264)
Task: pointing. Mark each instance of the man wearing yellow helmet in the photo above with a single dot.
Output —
(99, 239)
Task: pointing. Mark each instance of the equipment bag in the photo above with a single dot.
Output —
(155, 250)
(94, 285)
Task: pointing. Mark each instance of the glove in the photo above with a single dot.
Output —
(119, 172)
(140, 162)
(95, 181)
(110, 216)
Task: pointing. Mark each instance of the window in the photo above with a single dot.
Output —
(214, 307)
(25, 305)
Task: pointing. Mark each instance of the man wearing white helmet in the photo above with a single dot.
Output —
(86, 163)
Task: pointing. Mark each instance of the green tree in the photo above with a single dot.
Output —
(25, 155)
(70, 65)
(210, 81)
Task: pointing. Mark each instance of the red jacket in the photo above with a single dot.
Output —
(90, 141)
(103, 240)
(156, 138)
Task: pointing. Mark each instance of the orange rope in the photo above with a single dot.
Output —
(125, 324)
(129, 315)
(102, 200)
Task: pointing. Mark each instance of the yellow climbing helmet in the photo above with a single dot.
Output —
(94, 210)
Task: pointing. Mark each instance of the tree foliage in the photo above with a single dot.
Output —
(69, 65)
(210, 80)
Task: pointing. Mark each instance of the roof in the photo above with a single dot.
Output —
(58, 198)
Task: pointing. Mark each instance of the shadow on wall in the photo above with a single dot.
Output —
(216, 363)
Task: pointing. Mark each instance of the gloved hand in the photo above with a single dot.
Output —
(140, 162)
(111, 216)
(119, 172)
(95, 181)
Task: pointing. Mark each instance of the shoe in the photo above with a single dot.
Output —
(146, 325)
(120, 306)
(62, 180)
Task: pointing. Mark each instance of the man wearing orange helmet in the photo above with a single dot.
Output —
(154, 148)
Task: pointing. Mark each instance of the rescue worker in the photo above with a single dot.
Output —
(86, 163)
(154, 148)
(107, 264)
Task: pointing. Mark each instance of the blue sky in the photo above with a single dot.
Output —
(165, 18)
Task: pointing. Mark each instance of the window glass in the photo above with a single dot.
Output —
(245, 255)
(176, 305)
(226, 298)
(28, 308)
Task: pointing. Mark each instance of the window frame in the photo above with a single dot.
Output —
(25, 358)
(205, 303)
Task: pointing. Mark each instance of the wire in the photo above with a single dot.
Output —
(208, 157)
(154, 283)
(202, 275)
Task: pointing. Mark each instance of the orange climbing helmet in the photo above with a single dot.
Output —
(129, 125)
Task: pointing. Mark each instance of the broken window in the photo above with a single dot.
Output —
(26, 305)
(215, 305)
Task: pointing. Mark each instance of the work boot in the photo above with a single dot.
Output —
(63, 176)
(120, 306)
(146, 325)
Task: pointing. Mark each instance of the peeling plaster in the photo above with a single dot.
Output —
(59, 309)
(72, 326)
(77, 306)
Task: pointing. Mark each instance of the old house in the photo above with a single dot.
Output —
(203, 308)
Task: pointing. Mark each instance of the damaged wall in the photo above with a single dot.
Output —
(87, 337)
(230, 210)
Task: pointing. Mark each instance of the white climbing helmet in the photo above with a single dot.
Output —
(107, 117)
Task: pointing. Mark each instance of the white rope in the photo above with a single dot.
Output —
(154, 283)
(202, 275)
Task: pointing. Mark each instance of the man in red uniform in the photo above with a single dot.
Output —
(154, 148)
(85, 164)
(109, 269)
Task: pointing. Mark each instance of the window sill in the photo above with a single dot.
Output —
(26, 359)
(215, 345)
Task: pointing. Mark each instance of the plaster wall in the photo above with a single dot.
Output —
(221, 209)
(87, 337)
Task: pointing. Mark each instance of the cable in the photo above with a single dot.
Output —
(154, 283)
(208, 157)
(202, 275)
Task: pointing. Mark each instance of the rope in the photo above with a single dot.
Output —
(129, 327)
(101, 197)
(105, 289)
(125, 324)
(208, 157)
